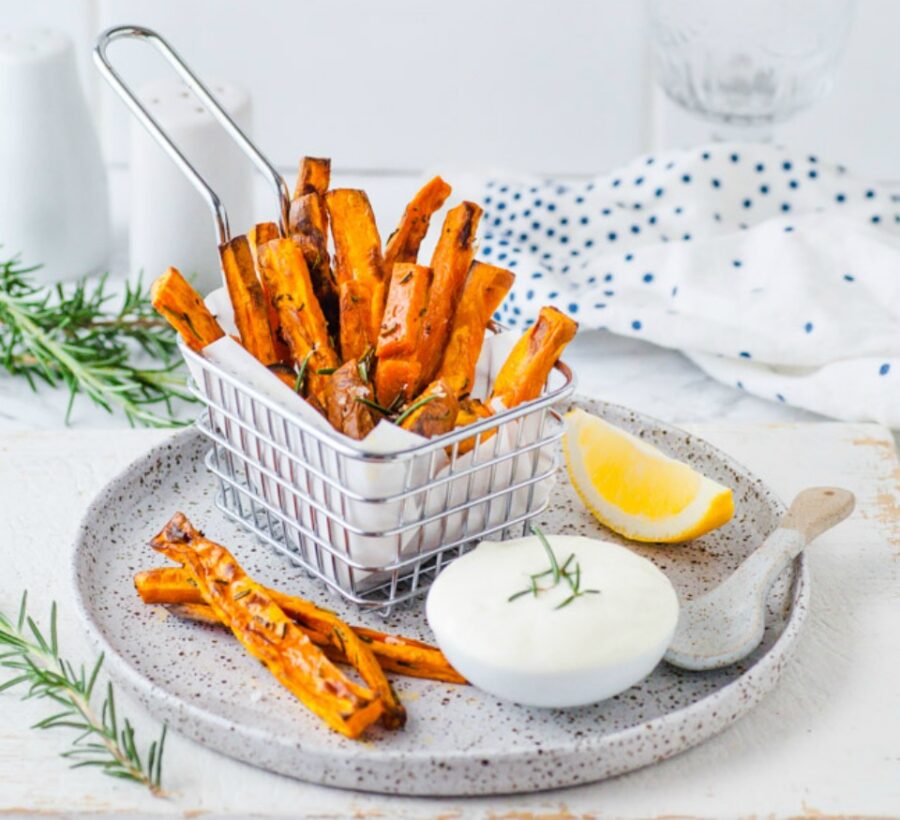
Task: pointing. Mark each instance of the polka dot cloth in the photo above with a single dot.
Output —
(777, 273)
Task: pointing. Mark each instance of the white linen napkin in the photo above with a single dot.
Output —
(776, 273)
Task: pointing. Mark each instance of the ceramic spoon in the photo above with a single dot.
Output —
(726, 624)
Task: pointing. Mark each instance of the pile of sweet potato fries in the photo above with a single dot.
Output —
(368, 333)
(297, 641)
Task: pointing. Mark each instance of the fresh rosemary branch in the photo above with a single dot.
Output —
(35, 662)
(413, 407)
(391, 412)
(558, 573)
(301, 373)
(66, 337)
(364, 365)
(373, 405)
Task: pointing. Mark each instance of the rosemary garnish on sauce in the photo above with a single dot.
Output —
(557, 574)
(35, 663)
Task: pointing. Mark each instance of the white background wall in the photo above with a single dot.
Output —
(543, 85)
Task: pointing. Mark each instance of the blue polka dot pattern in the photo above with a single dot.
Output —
(698, 242)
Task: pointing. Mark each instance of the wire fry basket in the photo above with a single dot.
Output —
(374, 526)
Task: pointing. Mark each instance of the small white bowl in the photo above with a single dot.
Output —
(532, 651)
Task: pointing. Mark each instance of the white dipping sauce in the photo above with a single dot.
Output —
(528, 651)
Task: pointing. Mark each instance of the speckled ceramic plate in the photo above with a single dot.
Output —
(458, 741)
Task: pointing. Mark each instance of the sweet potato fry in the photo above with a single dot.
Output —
(348, 400)
(266, 631)
(261, 233)
(300, 318)
(485, 289)
(404, 310)
(357, 244)
(314, 176)
(308, 214)
(357, 248)
(204, 614)
(403, 244)
(399, 659)
(247, 299)
(398, 369)
(309, 217)
(185, 310)
(258, 235)
(395, 653)
(396, 379)
(470, 411)
(433, 413)
(308, 224)
(356, 320)
(287, 277)
(450, 264)
(528, 365)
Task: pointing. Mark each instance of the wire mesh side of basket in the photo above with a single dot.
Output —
(376, 528)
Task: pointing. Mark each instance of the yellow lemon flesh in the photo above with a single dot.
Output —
(636, 490)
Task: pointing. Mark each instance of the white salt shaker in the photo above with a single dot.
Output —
(170, 221)
(54, 209)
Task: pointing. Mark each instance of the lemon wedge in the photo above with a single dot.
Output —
(636, 490)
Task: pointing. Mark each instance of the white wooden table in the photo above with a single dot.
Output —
(826, 742)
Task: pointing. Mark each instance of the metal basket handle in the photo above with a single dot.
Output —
(209, 102)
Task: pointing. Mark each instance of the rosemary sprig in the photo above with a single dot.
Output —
(413, 407)
(559, 573)
(391, 412)
(65, 337)
(35, 662)
(396, 404)
(364, 365)
(301, 372)
(373, 405)
(554, 567)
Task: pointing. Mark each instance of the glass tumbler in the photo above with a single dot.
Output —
(746, 65)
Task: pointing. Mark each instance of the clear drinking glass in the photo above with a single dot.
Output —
(745, 65)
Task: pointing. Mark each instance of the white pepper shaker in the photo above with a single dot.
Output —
(170, 222)
(54, 208)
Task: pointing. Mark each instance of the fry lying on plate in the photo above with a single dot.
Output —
(298, 642)
(173, 586)
(369, 332)
(269, 635)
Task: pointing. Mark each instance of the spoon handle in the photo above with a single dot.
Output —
(818, 509)
(812, 512)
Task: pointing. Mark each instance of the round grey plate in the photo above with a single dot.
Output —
(458, 741)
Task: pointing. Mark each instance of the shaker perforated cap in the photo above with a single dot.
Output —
(175, 106)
